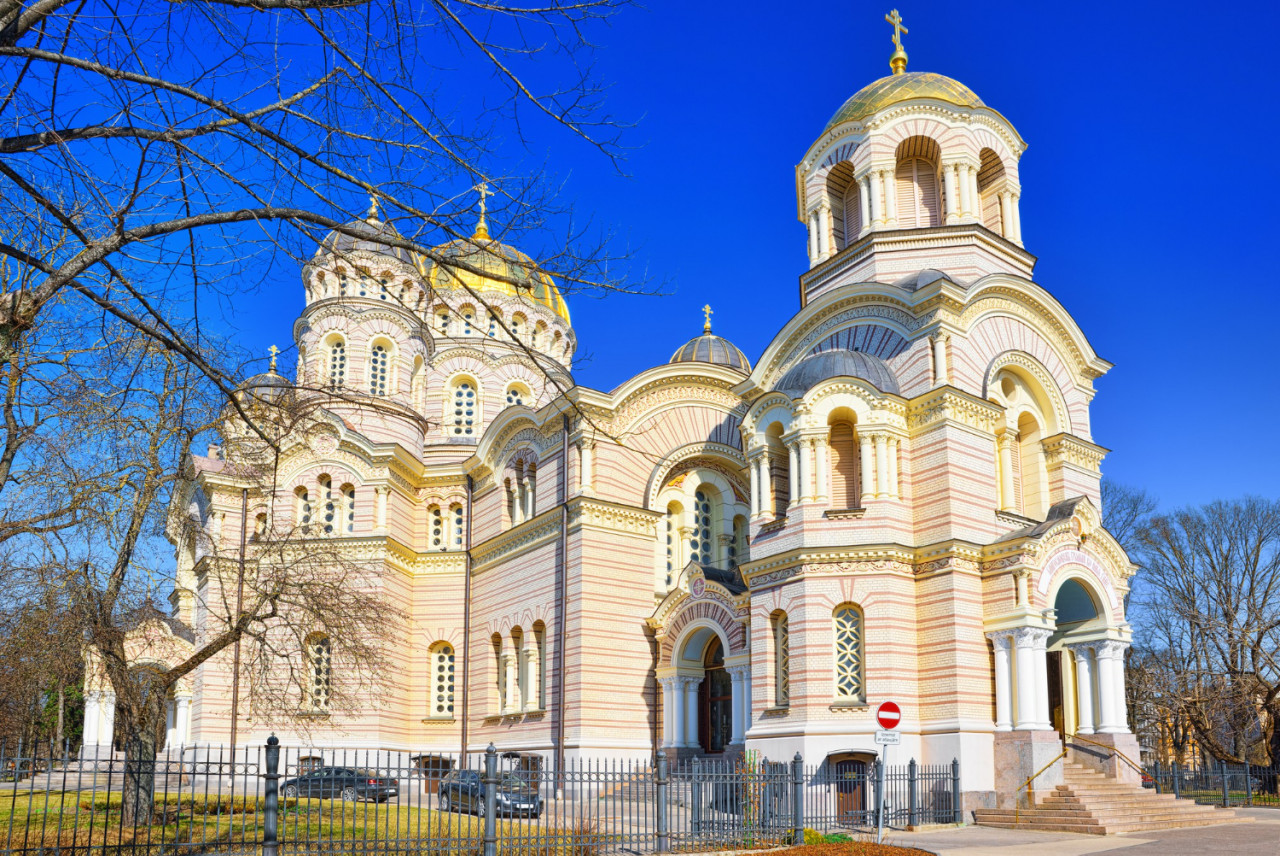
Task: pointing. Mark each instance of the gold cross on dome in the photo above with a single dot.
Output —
(483, 189)
(896, 19)
(707, 313)
(273, 350)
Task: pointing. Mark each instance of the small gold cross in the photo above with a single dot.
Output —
(483, 189)
(706, 312)
(273, 350)
(896, 19)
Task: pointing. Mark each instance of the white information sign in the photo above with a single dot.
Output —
(888, 738)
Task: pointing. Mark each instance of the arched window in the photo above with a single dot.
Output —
(500, 674)
(320, 660)
(916, 184)
(843, 443)
(779, 470)
(465, 403)
(379, 367)
(673, 542)
(539, 331)
(383, 292)
(468, 315)
(342, 283)
(443, 321)
(330, 507)
(301, 508)
(530, 488)
(442, 681)
(539, 688)
(436, 519)
(459, 530)
(337, 363)
(521, 687)
(517, 394)
(850, 684)
(700, 543)
(493, 325)
(781, 659)
(991, 180)
(260, 526)
(516, 325)
(349, 507)
(1030, 467)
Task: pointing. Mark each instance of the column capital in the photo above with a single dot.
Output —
(1111, 649)
(1030, 637)
(1078, 648)
(1001, 638)
(739, 673)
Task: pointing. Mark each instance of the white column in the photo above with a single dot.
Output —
(803, 450)
(691, 711)
(1042, 680)
(1006, 215)
(766, 484)
(1025, 679)
(971, 173)
(1000, 644)
(1111, 687)
(107, 729)
(877, 210)
(753, 470)
(1005, 444)
(824, 231)
(184, 720)
(864, 201)
(890, 198)
(793, 472)
(949, 186)
(823, 466)
(511, 662)
(170, 725)
(531, 677)
(966, 197)
(893, 468)
(940, 378)
(92, 714)
(1016, 217)
(669, 707)
(380, 508)
(587, 476)
(866, 469)
(1084, 688)
(813, 237)
(882, 466)
(530, 497)
(738, 674)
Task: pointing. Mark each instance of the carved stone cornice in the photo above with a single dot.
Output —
(532, 533)
(591, 513)
(1070, 449)
(948, 404)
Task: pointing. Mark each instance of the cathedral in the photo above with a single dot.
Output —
(898, 500)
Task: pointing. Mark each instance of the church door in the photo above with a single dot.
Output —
(1054, 672)
(851, 779)
(715, 695)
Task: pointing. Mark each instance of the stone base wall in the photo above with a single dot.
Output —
(1103, 758)
(1019, 755)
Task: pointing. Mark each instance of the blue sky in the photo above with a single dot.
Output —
(1149, 195)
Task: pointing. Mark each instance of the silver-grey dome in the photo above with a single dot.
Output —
(709, 348)
(367, 236)
(824, 365)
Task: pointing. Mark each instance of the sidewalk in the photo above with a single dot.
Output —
(1258, 838)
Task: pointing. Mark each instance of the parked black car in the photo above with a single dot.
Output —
(461, 791)
(347, 783)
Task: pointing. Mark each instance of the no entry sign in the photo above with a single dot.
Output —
(889, 715)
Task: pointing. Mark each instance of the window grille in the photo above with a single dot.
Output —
(437, 528)
(442, 703)
(349, 505)
(849, 678)
(700, 543)
(320, 654)
(330, 508)
(458, 533)
(378, 365)
(782, 661)
(464, 409)
(337, 365)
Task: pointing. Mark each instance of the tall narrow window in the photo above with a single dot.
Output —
(337, 364)
(330, 507)
(515, 326)
(845, 491)
(779, 470)
(540, 653)
(437, 527)
(500, 674)
(673, 512)
(459, 531)
(383, 292)
(342, 283)
(738, 546)
(493, 325)
(700, 541)
(464, 409)
(379, 360)
(349, 507)
(320, 657)
(468, 314)
(442, 681)
(848, 654)
(444, 323)
(301, 508)
(781, 660)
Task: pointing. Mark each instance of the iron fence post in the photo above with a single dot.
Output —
(1155, 778)
(1226, 796)
(489, 781)
(955, 791)
(912, 806)
(661, 812)
(1248, 783)
(1177, 791)
(797, 799)
(879, 795)
(271, 798)
(695, 796)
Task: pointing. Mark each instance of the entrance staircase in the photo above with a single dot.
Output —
(1094, 804)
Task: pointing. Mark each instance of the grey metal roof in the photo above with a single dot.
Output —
(840, 362)
(717, 350)
(368, 236)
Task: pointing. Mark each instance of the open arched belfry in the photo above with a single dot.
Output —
(898, 500)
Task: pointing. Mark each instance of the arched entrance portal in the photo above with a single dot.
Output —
(715, 697)
(1085, 669)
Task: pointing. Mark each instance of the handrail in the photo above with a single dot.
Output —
(1027, 783)
(1114, 751)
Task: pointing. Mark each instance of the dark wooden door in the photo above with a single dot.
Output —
(1054, 673)
(851, 779)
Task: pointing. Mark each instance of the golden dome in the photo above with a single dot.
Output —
(896, 88)
(523, 277)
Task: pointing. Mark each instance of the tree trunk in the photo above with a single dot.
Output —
(141, 727)
(62, 710)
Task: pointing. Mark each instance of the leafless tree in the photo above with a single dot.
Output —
(1125, 511)
(1210, 606)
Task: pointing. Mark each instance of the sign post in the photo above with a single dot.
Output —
(888, 716)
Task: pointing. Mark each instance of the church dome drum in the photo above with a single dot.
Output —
(824, 365)
(710, 348)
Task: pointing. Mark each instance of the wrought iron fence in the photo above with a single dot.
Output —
(280, 802)
(1219, 783)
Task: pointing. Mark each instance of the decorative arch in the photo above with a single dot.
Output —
(721, 454)
(1038, 377)
(1077, 564)
(703, 613)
